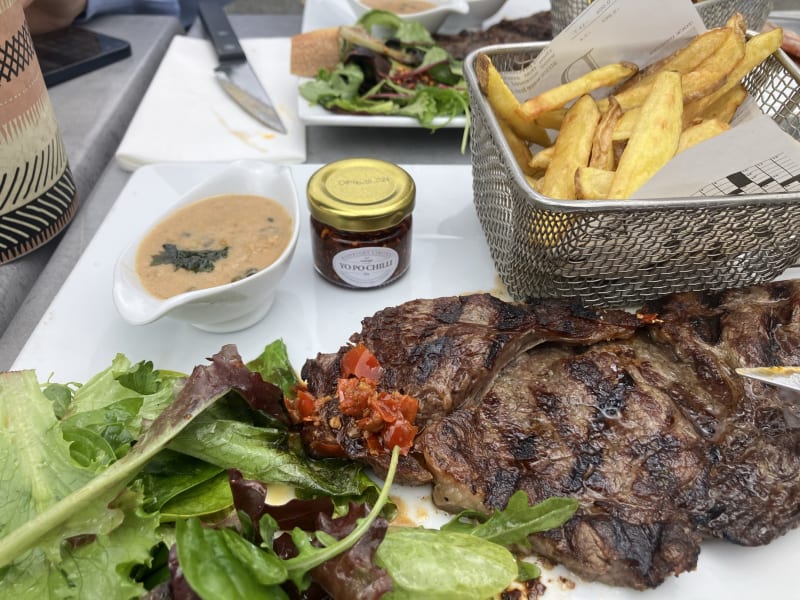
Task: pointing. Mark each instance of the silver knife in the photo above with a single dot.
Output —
(787, 377)
(234, 75)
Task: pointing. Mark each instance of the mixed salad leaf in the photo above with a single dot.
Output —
(150, 483)
(389, 66)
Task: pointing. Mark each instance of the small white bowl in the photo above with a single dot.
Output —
(222, 308)
(479, 11)
(432, 18)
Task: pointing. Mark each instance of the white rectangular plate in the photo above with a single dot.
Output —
(81, 332)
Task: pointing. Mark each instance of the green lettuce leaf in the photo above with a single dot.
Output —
(444, 565)
(123, 381)
(98, 569)
(517, 521)
(86, 509)
(36, 470)
(274, 366)
(408, 32)
(342, 83)
(260, 453)
(171, 474)
(207, 499)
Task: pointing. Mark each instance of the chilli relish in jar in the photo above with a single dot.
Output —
(361, 221)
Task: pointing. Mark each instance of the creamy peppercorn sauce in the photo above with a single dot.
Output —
(400, 7)
(254, 229)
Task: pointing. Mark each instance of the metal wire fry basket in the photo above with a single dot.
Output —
(713, 12)
(619, 253)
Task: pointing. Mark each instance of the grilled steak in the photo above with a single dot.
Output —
(537, 27)
(644, 421)
(445, 352)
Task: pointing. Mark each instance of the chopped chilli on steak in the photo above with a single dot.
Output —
(642, 418)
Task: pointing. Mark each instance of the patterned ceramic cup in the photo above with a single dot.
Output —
(37, 191)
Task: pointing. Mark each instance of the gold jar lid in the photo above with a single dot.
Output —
(360, 194)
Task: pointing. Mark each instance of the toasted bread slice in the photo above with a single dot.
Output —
(314, 50)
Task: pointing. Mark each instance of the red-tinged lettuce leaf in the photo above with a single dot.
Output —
(354, 574)
(212, 559)
(248, 498)
(230, 373)
(206, 384)
(179, 587)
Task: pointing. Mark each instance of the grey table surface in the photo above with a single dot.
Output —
(93, 112)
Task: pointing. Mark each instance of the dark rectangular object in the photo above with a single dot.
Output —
(73, 51)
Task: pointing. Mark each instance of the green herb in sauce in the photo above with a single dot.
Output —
(197, 261)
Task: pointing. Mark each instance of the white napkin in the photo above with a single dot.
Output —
(185, 115)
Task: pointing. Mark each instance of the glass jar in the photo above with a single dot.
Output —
(361, 221)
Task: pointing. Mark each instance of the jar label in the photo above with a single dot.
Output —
(365, 267)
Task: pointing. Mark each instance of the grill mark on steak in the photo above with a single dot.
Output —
(648, 426)
(610, 395)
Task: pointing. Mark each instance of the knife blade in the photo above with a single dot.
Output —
(787, 377)
(234, 74)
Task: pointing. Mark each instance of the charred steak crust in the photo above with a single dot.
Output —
(645, 422)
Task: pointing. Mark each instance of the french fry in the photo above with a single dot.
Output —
(561, 95)
(737, 22)
(551, 119)
(505, 103)
(726, 105)
(533, 181)
(708, 76)
(541, 160)
(702, 131)
(684, 59)
(634, 95)
(572, 149)
(756, 50)
(625, 124)
(592, 183)
(520, 149)
(654, 139)
(713, 72)
(602, 156)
